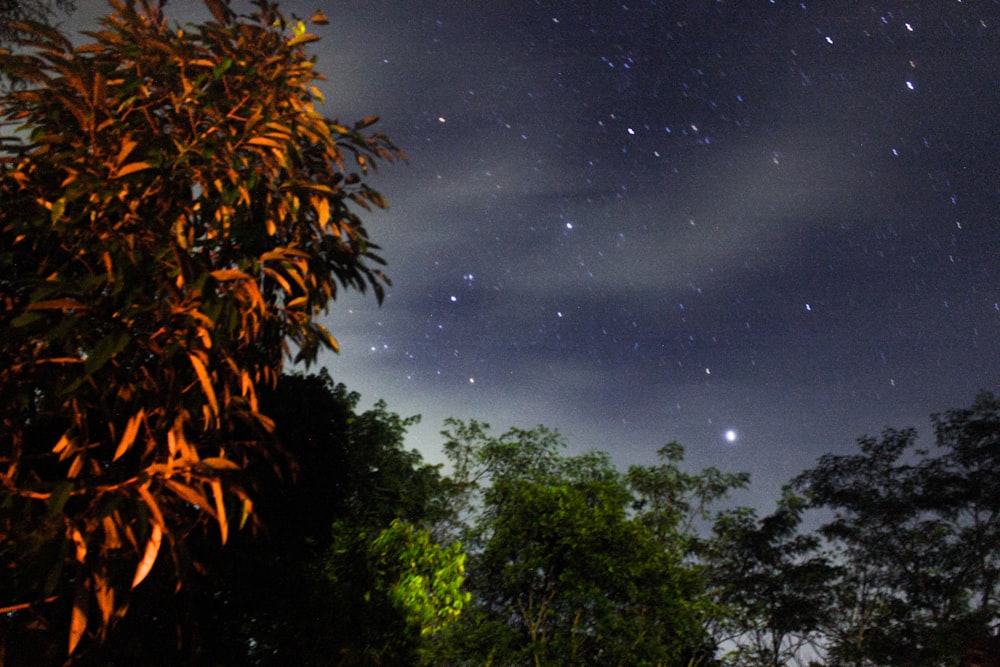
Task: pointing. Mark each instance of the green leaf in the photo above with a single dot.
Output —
(108, 347)
(58, 208)
(57, 501)
(24, 319)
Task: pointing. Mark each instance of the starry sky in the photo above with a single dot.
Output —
(644, 221)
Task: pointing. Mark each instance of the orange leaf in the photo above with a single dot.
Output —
(149, 557)
(78, 621)
(131, 169)
(105, 595)
(57, 304)
(81, 546)
(187, 493)
(111, 538)
(63, 443)
(322, 206)
(263, 141)
(131, 430)
(219, 463)
(206, 383)
(223, 275)
(127, 147)
(154, 509)
(220, 508)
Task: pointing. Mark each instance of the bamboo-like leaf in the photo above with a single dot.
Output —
(131, 169)
(220, 508)
(80, 544)
(64, 442)
(57, 304)
(304, 38)
(105, 596)
(220, 463)
(263, 141)
(128, 437)
(147, 498)
(76, 466)
(246, 509)
(187, 493)
(112, 540)
(322, 206)
(225, 275)
(206, 382)
(149, 555)
(78, 619)
(127, 147)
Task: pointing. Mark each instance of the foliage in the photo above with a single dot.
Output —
(561, 570)
(271, 600)
(772, 583)
(176, 215)
(918, 535)
(13, 12)
(396, 589)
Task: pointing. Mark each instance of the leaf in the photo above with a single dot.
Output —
(57, 499)
(319, 18)
(220, 508)
(187, 493)
(81, 545)
(246, 509)
(58, 208)
(224, 275)
(263, 141)
(128, 437)
(149, 556)
(206, 383)
(105, 349)
(78, 620)
(322, 206)
(105, 595)
(131, 169)
(219, 463)
(56, 304)
(304, 38)
(127, 147)
(147, 498)
(61, 446)
(24, 319)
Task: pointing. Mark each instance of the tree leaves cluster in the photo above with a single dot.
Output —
(177, 214)
(570, 560)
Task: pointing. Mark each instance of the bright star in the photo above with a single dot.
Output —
(730, 435)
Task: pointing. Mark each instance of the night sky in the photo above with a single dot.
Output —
(650, 221)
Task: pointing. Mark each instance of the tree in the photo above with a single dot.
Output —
(177, 213)
(13, 12)
(772, 582)
(394, 592)
(918, 536)
(560, 569)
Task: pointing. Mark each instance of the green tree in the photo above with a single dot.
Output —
(918, 535)
(772, 582)
(394, 591)
(561, 570)
(177, 214)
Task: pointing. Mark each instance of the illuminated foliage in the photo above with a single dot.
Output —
(177, 214)
(562, 568)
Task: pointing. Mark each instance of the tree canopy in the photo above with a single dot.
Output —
(177, 214)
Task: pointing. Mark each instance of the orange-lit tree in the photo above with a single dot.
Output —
(176, 214)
